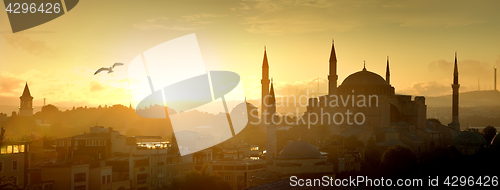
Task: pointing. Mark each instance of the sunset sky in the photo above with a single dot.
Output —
(58, 58)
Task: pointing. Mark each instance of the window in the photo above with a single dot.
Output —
(21, 148)
(227, 178)
(15, 148)
(14, 165)
(76, 143)
(240, 178)
(103, 180)
(1, 166)
(49, 187)
(9, 149)
(3, 150)
(79, 177)
(80, 187)
(15, 180)
(109, 178)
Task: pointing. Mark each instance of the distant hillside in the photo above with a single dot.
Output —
(469, 99)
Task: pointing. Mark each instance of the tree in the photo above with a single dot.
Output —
(372, 153)
(489, 133)
(7, 183)
(399, 161)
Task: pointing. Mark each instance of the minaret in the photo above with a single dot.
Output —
(388, 73)
(271, 132)
(495, 82)
(332, 76)
(265, 84)
(26, 107)
(455, 124)
(271, 101)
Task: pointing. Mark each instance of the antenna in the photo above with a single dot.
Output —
(318, 85)
(495, 80)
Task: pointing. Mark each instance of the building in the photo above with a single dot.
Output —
(138, 162)
(238, 173)
(14, 161)
(26, 104)
(390, 117)
(296, 159)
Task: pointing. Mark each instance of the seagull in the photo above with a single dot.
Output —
(110, 69)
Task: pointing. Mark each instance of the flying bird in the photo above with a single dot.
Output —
(109, 69)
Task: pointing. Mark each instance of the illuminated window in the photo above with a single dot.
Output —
(3, 150)
(9, 149)
(16, 148)
(21, 148)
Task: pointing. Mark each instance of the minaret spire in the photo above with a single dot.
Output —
(388, 73)
(455, 124)
(332, 75)
(271, 101)
(265, 84)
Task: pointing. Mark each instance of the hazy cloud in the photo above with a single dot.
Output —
(10, 85)
(431, 88)
(96, 86)
(185, 23)
(36, 47)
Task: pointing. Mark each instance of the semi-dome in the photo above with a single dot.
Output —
(469, 139)
(365, 82)
(299, 150)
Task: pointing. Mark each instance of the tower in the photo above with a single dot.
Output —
(388, 73)
(26, 107)
(495, 82)
(265, 85)
(455, 124)
(332, 76)
(271, 101)
(271, 132)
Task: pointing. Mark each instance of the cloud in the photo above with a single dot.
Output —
(185, 23)
(431, 88)
(9, 85)
(36, 47)
(67, 87)
(269, 5)
(470, 71)
(304, 87)
(96, 86)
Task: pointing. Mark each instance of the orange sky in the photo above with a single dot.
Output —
(58, 58)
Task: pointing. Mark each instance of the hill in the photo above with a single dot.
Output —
(467, 99)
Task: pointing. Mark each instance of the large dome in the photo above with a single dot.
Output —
(365, 82)
(469, 139)
(364, 77)
(299, 150)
